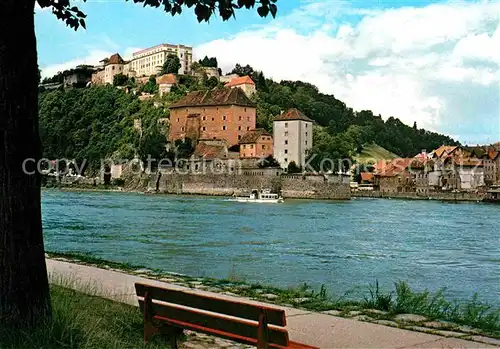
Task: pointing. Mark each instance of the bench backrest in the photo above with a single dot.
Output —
(238, 318)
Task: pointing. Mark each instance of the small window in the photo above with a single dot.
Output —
(239, 137)
(306, 142)
(286, 142)
(286, 151)
(248, 128)
(203, 128)
(263, 146)
(286, 133)
(306, 134)
(224, 117)
(245, 109)
(223, 128)
(248, 118)
(182, 128)
(251, 146)
(204, 118)
(239, 118)
(178, 119)
(286, 160)
(244, 146)
(239, 128)
(286, 124)
(213, 119)
(306, 125)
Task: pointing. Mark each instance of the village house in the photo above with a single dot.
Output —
(456, 168)
(223, 113)
(256, 144)
(212, 156)
(491, 162)
(110, 67)
(165, 83)
(245, 83)
(394, 176)
(293, 137)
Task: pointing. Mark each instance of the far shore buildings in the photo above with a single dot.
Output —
(256, 144)
(149, 61)
(245, 83)
(144, 63)
(224, 113)
(293, 138)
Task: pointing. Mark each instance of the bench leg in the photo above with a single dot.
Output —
(173, 334)
(262, 332)
(149, 327)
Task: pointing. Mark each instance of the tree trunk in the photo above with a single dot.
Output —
(24, 291)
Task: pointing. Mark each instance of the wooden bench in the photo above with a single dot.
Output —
(170, 311)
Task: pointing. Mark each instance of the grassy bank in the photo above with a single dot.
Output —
(473, 316)
(83, 321)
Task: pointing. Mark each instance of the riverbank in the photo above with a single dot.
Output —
(402, 308)
(439, 196)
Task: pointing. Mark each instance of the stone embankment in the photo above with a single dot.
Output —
(290, 186)
(443, 196)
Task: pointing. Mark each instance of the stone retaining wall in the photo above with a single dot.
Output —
(445, 196)
(226, 185)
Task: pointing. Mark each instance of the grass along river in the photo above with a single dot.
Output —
(344, 245)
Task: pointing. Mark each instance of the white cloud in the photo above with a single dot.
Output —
(415, 63)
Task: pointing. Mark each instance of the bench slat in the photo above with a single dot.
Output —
(216, 305)
(217, 324)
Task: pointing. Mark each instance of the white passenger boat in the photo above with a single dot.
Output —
(261, 196)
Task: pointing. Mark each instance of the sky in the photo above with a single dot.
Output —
(436, 63)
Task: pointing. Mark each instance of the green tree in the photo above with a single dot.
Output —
(293, 168)
(120, 80)
(172, 65)
(24, 291)
(150, 86)
(242, 70)
(269, 161)
(209, 62)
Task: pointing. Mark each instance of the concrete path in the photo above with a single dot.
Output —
(316, 329)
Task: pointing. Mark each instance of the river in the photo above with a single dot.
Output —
(345, 245)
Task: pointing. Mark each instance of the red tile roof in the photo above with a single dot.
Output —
(209, 151)
(445, 150)
(366, 176)
(216, 97)
(169, 79)
(243, 80)
(293, 114)
(115, 59)
(253, 136)
(394, 167)
(493, 154)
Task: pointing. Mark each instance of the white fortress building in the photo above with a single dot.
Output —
(293, 137)
(150, 61)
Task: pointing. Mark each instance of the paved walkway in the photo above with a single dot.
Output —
(316, 329)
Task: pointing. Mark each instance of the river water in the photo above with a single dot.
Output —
(344, 245)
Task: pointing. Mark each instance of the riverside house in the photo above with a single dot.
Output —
(256, 144)
(224, 113)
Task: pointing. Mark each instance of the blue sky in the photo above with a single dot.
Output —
(437, 63)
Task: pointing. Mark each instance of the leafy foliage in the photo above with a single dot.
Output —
(120, 80)
(293, 168)
(242, 70)
(150, 86)
(97, 123)
(203, 9)
(209, 62)
(269, 161)
(172, 65)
